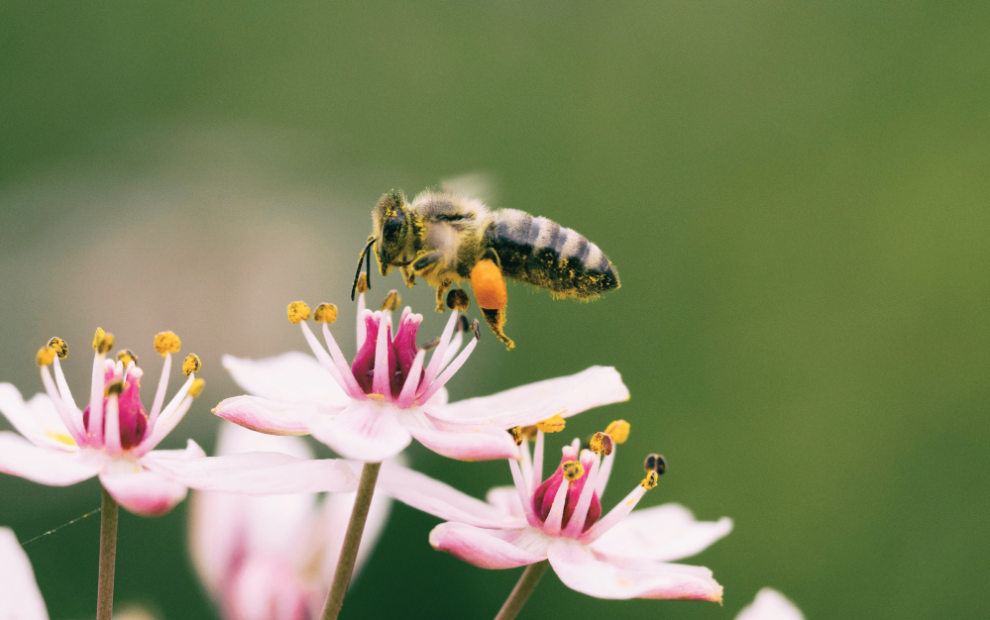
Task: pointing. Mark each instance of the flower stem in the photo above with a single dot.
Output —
(108, 556)
(352, 541)
(524, 587)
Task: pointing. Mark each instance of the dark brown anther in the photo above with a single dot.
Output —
(429, 346)
(517, 432)
(463, 324)
(476, 330)
(457, 299)
(655, 463)
(115, 388)
(392, 301)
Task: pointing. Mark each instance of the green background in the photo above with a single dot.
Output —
(796, 195)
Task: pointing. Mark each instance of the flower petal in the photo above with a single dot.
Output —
(465, 442)
(506, 500)
(770, 605)
(266, 416)
(662, 533)
(257, 473)
(529, 404)
(492, 549)
(49, 466)
(365, 431)
(140, 490)
(581, 570)
(36, 419)
(440, 500)
(20, 598)
(328, 532)
(292, 377)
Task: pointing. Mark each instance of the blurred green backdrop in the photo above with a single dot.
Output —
(796, 194)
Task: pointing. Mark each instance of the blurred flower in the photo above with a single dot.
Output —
(615, 556)
(266, 558)
(20, 598)
(114, 437)
(770, 605)
(371, 410)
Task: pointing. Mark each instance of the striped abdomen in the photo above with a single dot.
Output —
(545, 254)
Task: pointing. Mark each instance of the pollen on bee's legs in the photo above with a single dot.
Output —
(496, 321)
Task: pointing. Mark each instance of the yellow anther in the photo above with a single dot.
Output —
(46, 355)
(196, 388)
(392, 300)
(649, 481)
(517, 434)
(573, 470)
(618, 431)
(601, 444)
(102, 341)
(552, 425)
(191, 364)
(115, 388)
(362, 284)
(167, 342)
(298, 312)
(457, 299)
(126, 356)
(325, 313)
(60, 347)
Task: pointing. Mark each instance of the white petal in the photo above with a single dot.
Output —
(234, 439)
(440, 500)
(770, 605)
(465, 442)
(529, 404)
(36, 419)
(506, 500)
(581, 570)
(267, 416)
(292, 377)
(20, 457)
(492, 549)
(662, 533)
(140, 490)
(20, 598)
(369, 432)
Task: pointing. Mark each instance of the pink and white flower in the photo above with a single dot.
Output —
(272, 558)
(114, 437)
(20, 598)
(371, 409)
(615, 556)
(770, 605)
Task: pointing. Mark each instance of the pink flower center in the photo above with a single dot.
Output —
(545, 493)
(133, 417)
(401, 353)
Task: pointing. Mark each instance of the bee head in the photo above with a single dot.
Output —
(393, 225)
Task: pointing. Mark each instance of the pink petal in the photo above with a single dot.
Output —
(266, 416)
(258, 473)
(263, 588)
(366, 431)
(465, 442)
(581, 570)
(493, 549)
(36, 419)
(770, 605)
(140, 490)
(662, 533)
(20, 598)
(506, 500)
(440, 500)
(529, 404)
(292, 377)
(49, 466)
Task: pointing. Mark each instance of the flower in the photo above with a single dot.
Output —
(114, 436)
(770, 605)
(267, 558)
(615, 556)
(371, 409)
(20, 598)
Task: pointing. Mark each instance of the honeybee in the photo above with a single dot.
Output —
(446, 238)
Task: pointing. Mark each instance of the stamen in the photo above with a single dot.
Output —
(552, 425)
(156, 405)
(448, 372)
(408, 394)
(434, 367)
(60, 347)
(99, 341)
(167, 342)
(344, 373)
(429, 346)
(380, 380)
(537, 460)
(573, 470)
(111, 441)
(126, 356)
(457, 299)
(66, 393)
(649, 481)
(191, 364)
(362, 284)
(556, 515)
(298, 312)
(579, 517)
(476, 330)
(95, 429)
(455, 343)
(325, 313)
(115, 388)
(46, 355)
(392, 301)
(524, 498)
(196, 388)
(517, 434)
(618, 431)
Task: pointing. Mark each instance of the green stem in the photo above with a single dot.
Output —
(352, 541)
(524, 587)
(108, 556)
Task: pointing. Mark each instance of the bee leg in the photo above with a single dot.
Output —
(441, 289)
(496, 321)
(408, 276)
(427, 262)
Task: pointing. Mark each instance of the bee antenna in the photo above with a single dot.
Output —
(365, 256)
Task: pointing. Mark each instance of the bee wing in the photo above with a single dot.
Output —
(479, 184)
